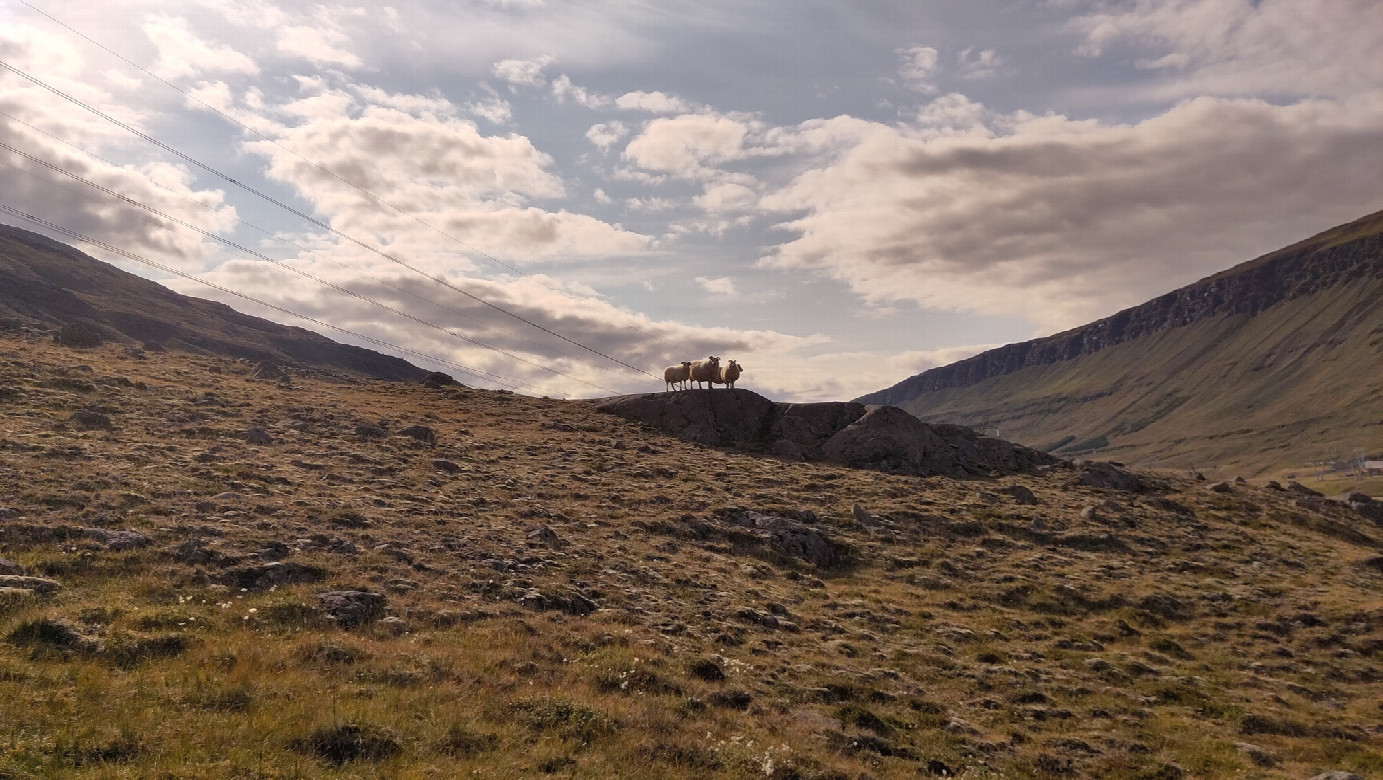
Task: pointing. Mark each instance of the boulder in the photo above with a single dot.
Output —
(115, 540)
(889, 439)
(90, 418)
(809, 426)
(786, 538)
(39, 585)
(422, 433)
(81, 335)
(267, 575)
(350, 608)
(1102, 474)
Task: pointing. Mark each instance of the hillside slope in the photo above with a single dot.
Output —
(51, 284)
(1268, 365)
(207, 575)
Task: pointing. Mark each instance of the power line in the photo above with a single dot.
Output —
(309, 161)
(314, 253)
(479, 374)
(287, 267)
(301, 215)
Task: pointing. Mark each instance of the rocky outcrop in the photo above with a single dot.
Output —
(881, 438)
(1247, 289)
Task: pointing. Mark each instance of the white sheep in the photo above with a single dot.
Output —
(677, 375)
(728, 374)
(705, 370)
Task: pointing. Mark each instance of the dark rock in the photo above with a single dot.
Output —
(883, 438)
(265, 576)
(55, 634)
(1300, 489)
(1221, 487)
(438, 379)
(1101, 474)
(1256, 754)
(1019, 494)
(544, 535)
(258, 436)
(8, 566)
(351, 608)
(572, 604)
(1337, 774)
(90, 418)
(1165, 606)
(730, 700)
(784, 538)
(81, 335)
(786, 450)
(349, 742)
(809, 426)
(448, 466)
(707, 669)
(422, 433)
(116, 540)
(40, 585)
(270, 371)
(193, 553)
(371, 432)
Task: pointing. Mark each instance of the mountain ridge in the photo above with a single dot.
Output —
(1340, 254)
(45, 282)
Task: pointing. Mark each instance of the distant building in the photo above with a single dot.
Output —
(1373, 467)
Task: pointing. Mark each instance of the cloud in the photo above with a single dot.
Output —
(725, 197)
(320, 45)
(721, 286)
(494, 110)
(182, 53)
(521, 73)
(687, 145)
(563, 88)
(607, 134)
(653, 103)
(917, 68)
(1234, 47)
(982, 64)
(1063, 221)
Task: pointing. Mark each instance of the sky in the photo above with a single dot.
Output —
(562, 197)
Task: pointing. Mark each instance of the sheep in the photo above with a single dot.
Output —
(705, 370)
(728, 374)
(677, 375)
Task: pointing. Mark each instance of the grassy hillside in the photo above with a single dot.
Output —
(544, 590)
(1252, 395)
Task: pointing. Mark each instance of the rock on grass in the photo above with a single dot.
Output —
(349, 742)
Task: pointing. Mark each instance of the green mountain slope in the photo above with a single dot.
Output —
(1267, 366)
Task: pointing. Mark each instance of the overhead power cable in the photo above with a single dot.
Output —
(305, 217)
(541, 348)
(307, 160)
(331, 285)
(483, 376)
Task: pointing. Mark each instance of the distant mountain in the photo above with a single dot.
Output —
(1269, 364)
(44, 282)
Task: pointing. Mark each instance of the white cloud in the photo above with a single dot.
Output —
(521, 73)
(1235, 47)
(917, 68)
(182, 53)
(726, 196)
(653, 102)
(493, 110)
(686, 145)
(721, 286)
(1063, 221)
(607, 134)
(320, 45)
(982, 64)
(563, 88)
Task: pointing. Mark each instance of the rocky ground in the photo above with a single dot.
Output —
(210, 571)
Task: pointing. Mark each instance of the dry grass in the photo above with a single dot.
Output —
(966, 633)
